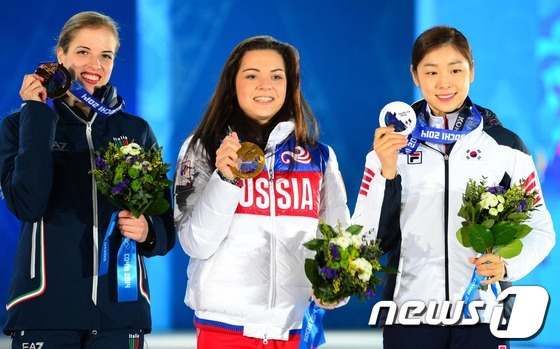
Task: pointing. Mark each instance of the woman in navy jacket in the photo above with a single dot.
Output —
(46, 154)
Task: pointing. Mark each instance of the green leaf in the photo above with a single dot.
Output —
(157, 207)
(354, 229)
(463, 236)
(133, 172)
(504, 232)
(312, 273)
(488, 223)
(518, 216)
(481, 238)
(315, 244)
(523, 231)
(510, 250)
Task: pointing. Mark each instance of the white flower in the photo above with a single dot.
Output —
(131, 149)
(362, 267)
(488, 200)
(341, 241)
(493, 211)
(356, 241)
(500, 207)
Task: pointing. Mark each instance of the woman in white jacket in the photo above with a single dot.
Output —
(411, 200)
(244, 237)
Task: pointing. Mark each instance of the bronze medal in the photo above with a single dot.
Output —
(250, 161)
(57, 79)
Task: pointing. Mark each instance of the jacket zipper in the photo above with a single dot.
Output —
(272, 248)
(446, 224)
(95, 219)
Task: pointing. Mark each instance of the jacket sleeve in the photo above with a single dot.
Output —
(378, 204)
(26, 164)
(160, 226)
(334, 206)
(204, 204)
(538, 244)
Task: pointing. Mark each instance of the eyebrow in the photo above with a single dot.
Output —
(272, 71)
(90, 49)
(435, 65)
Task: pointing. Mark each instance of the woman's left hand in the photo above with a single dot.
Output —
(490, 265)
(134, 228)
(319, 303)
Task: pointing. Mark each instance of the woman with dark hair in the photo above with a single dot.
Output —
(245, 237)
(412, 191)
(57, 298)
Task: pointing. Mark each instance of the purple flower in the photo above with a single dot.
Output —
(497, 190)
(100, 164)
(329, 273)
(334, 252)
(521, 206)
(369, 292)
(119, 187)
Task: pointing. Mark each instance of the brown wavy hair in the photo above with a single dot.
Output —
(223, 109)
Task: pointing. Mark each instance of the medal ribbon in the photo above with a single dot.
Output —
(312, 333)
(80, 92)
(423, 132)
(127, 283)
(471, 291)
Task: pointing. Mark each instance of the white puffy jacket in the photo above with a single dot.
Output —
(415, 214)
(245, 243)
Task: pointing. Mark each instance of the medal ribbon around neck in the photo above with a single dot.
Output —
(423, 132)
(57, 81)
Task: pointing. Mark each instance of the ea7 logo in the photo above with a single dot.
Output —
(36, 345)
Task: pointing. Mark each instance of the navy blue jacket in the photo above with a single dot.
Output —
(46, 157)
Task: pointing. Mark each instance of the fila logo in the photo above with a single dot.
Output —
(59, 146)
(36, 345)
(414, 158)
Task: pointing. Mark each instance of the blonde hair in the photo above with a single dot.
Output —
(86, 19)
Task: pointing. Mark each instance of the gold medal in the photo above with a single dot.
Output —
(56, 79)
(250, 161)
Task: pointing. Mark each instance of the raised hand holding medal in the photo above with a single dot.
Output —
(58, 80)
(249, 162)
(399, 115)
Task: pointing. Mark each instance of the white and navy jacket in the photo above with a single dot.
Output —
(415, 214)
(46, 156)
(246, 270)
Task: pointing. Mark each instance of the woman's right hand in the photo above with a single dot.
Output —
(226, 155)
(386, 145)
(32, 88)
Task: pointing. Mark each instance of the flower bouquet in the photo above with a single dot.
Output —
(133, 178)
(493, 224)
(494, 217)
(344, 265)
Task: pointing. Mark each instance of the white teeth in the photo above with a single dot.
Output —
(263, 99)
(445, 96)
(90, 77)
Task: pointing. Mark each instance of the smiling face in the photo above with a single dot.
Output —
(90, 56)
(261, 84)
(444, 76)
